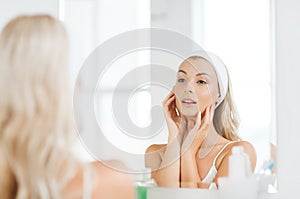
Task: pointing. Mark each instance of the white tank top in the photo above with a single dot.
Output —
(210, 176)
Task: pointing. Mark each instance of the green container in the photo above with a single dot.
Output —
(141, 192)
(143, 183)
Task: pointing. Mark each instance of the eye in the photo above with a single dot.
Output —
(201, 82)
(180, 80)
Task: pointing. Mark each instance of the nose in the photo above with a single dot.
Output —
(188, 88)
(188, 91)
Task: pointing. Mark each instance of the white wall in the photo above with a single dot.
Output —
(172, 14)
(242, 40)
(98, 21)
(287, 32)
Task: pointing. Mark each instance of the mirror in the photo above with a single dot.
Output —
(229, 29)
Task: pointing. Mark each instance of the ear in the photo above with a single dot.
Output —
(217, 100)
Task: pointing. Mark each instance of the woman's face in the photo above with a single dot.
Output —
(196, 86)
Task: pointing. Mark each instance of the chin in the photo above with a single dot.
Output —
(189, 112)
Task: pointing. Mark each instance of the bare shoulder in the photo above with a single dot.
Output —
(110, 170)
(247, 146)
(249, 149)
(155, 148)
(153, 156)
(106, 179)
(107, 168)
(223, 160)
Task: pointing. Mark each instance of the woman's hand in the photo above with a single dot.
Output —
(168, 172)
(198, 132)
(175, 122)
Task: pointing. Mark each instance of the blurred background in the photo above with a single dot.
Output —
(239, 31)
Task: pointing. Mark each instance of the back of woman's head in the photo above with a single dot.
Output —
(35, 105)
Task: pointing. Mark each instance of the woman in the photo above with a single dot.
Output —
(36, 119)
(202, 124)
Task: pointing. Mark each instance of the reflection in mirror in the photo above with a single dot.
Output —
(242, 40)
(244, 44)
(229, 29)
(202, 125)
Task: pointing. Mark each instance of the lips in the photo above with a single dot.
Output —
(188, 102)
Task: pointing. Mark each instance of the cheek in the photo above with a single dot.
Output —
(204, 98)
(178, 90)
(178, 93)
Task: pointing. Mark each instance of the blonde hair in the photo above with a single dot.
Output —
(35, 104)
(226, 118)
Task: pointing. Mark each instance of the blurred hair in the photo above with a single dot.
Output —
(35, 104)
(226, 118)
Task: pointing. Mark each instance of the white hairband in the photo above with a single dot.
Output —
(220, 70)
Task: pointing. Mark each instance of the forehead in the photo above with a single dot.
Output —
(194, 66)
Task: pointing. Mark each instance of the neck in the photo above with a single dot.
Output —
(190, 121)
(212, 134)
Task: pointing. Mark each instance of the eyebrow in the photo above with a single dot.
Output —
(182, 71)
(199, 74)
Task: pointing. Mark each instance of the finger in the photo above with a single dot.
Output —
(183, 122)
(198, 120)
(170, 107)
(173, 105)
(198, 124)
(212, 112)
(210, 95)
(169, 101)
(207, 117)
(168, 97)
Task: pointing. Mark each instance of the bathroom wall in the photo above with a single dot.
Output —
(286, 29)
(287, 32)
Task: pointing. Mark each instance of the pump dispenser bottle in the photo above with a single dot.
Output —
(240, 182)
(239, 163)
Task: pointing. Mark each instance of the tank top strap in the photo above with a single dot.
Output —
(222, 149)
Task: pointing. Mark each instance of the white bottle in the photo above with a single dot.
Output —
(266, 179)
(240, 183)
(239, 163)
